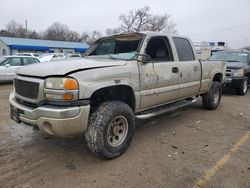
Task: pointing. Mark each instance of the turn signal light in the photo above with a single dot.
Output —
(70, 84)
(68, 96)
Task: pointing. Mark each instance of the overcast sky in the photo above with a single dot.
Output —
(202, 20)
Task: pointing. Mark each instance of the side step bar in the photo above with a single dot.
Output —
(164, 109)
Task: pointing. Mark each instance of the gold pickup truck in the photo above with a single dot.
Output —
(120, 78)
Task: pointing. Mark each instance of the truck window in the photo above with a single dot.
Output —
(105, 48)
(116, 47)
(159, 49)
(184, 49)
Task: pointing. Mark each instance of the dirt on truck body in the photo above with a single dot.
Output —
(121, 78)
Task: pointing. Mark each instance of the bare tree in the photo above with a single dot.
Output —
(91, 37)
(135, 20)
(16, 29)
(4, 33)
(113, 31)
(142, 20)
(161, 23)
(33, 35)
(57, 31)
(73, 36)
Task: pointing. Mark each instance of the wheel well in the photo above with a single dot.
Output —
(218, 77)
(120, 93)
(248, 75)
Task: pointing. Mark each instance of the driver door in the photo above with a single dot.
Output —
(160, 78)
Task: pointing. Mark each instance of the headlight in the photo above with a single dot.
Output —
(238, 73)
(61, 89)
(61, 83)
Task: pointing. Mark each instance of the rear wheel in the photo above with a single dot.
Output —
(211, 100)
(111, 129)
(242, 90)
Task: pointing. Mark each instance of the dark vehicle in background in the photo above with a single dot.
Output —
(238, 69)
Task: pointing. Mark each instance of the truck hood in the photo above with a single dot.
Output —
(66, 67)
(235, 65)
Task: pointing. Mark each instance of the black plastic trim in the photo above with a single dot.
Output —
(83, 102)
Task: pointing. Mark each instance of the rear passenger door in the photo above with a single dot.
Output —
(190, 68)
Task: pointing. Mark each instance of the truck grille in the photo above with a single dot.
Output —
(229, 72)
(26, 89)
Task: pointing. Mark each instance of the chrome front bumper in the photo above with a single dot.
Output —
(53, 120)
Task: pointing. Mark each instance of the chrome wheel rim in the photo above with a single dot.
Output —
(245, 86)
(216, 96)
(117, 131)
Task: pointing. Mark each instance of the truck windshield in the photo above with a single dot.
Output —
(230, 57)
(116, 49)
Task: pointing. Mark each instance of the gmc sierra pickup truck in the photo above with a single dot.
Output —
(121, 77)
(238, 69)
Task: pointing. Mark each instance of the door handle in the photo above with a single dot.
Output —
(195, 68)
(175, 70)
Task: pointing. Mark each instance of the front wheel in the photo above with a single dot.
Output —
(111, 129)
(242, 90)
(211, 100)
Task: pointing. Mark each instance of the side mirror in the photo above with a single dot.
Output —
(146, 59)
(7, 65)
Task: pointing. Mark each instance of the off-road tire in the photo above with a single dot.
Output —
(242, 90)
(209, 100)
(99, 122)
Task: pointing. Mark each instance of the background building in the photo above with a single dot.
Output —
(205, 49)
(11, 46)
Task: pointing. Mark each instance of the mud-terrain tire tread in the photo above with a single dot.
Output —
(208, 98)
(99, 121)
(240, 90)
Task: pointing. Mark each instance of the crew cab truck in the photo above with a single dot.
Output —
(121, 77)
(238, 69)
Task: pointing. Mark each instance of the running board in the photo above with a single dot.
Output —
(164, 109)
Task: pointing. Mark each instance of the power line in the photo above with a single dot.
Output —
(224, 29)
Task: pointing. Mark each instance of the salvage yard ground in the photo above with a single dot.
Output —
(190, 147)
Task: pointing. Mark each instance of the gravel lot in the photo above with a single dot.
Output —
(191, 147)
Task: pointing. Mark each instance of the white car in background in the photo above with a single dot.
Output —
(9, 65)
(51, 57)
(27, 54)
(73, 56)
